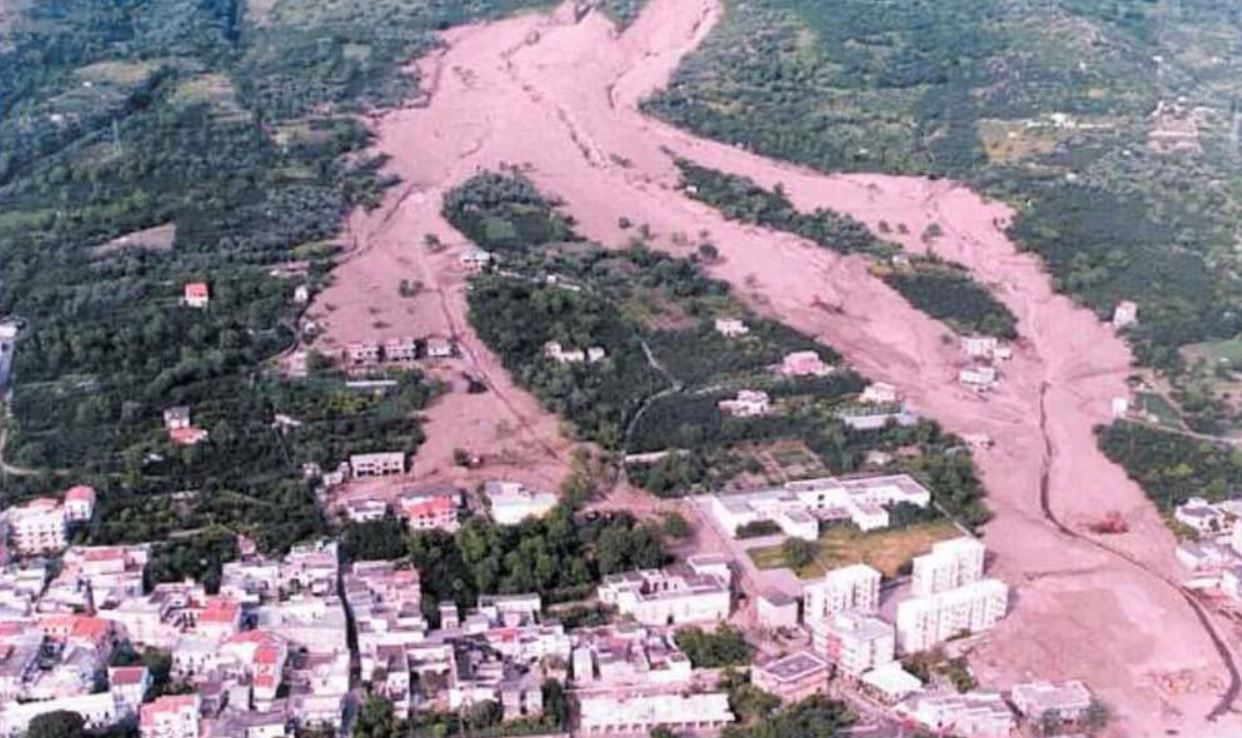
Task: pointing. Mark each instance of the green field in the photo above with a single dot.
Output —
(886, 550)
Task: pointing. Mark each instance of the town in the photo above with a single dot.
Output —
(308, 643)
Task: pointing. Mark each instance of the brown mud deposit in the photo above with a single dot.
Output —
(559, 98)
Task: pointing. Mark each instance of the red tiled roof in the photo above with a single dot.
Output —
(196, 289)
(219, 610)
(103, 554)
(428, 506)
(80, 493)
(187, 436)
(166, 704)
(124, 675)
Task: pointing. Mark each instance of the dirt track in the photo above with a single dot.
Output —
(560, 98)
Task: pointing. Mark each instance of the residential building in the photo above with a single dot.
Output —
(731, 327)
(301, 294)
(401, 350)
(430, 510)
(880, 393)
(512, 502)
(1068, 700)
(1198, 556)
(79, 503)
(606, 715)
(855, 643)
(924, 622)
(558, 353)
(1200, 515)
(747, 404)
(9, 331)
(261, 656)
(177, 417)
(129, 685)
(382, 464)
(170, 717)
(626, 654)
(950, 564)
(366, 509)
(362, 353)
(986, 348)
(978, 378)
(875, 417)
(39, 526)
(1125, 314)
(439, 348)
(855, 587)
(197, 295)
(98, 711)
(777, 610)
(475, 259)
(672, 596)
(969, 715)
(804, 364)
(890, 683)
(794, 677)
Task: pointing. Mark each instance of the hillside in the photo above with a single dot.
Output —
(1111, 126)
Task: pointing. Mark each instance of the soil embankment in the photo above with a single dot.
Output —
(559, 98)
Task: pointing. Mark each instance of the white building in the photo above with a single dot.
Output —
(475, 259)
(39, 526)
(794, 677)
(978, 378)
(799, 507)
(79, 503)
(98, 711)
(1125, 314)
(365, 510)
(512, 502)
(880, 393)
(605, 715)
(804, 364)
(626, 654)
(1196, 556)
(855, 587)
(747, 404)
(731, 327)
(378, 464)
(950, 564)
(1201, 515)
(924, 622)
(855, 643)
(970, 715)
(429, 510)
(1068, 700)
(987, 348)
(170, 717)
(672, 596)
(558, 353)
(890, 682)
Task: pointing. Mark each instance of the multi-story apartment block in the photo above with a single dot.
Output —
(950, 564)
(924, 622)
(39, 526)
(855, 643)
(855, 587)
(170, 717)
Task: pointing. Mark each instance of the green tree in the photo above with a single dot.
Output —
(798, 552)
(57, 724)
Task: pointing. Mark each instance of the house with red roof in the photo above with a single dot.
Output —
(79, 503)
(171, 716)
(262, 656)
(429, 511)
(197, 295)
(218, 619)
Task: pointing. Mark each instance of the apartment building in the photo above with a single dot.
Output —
(170, 717)
(950, 564)
(848, 588)
(970, 715)
(855, 643)
(626, 654)
(39, 526)
(924, 622)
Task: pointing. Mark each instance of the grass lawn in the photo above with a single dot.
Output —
(1227, 350)
(886, 550)
(1159, 408)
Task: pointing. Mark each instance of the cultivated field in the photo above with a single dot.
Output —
(886, 550)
